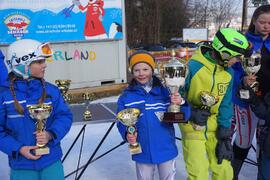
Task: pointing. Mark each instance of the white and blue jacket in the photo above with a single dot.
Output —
(17, 130)
(156, 138)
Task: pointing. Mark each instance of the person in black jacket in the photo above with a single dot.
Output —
(261, 107)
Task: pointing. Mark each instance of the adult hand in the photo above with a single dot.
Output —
(26, 152)
(43, 137)
(132, 138)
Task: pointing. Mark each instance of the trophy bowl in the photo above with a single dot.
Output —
(251, 66)
(40, 112)
(208, 100)
(174, 74)
(129, 117)
(63, 85)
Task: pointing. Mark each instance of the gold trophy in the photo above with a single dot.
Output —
(63, 86)
(129, 117)
(87, 115)
(208, 100)
(174, 74)
(251, 66)
(40, 112)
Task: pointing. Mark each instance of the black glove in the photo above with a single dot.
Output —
(251, 99)
(224, 146)
(199, 116)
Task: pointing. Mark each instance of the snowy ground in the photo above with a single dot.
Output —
(116, 165)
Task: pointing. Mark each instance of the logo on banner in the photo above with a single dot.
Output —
(17, 25)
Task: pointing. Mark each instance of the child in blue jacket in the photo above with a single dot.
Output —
(18, 135)
(157, 139)
(3, 69)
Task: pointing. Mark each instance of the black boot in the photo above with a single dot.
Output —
(240, 155)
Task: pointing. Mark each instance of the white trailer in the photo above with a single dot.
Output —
(89, 63)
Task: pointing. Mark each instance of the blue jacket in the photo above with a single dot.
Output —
(3, 69)
(263, 75)
(239, 73)
(257, 43)
(16, 130)
(156, 138)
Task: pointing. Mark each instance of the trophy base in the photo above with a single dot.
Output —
(42, 151)
(135, 149)
(174, 117)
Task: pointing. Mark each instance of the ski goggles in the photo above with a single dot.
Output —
(44, 50)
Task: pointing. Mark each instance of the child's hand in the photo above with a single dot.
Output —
(176, 98)
(249, 79)
(26, 152)
(132, 138)
(43, 137)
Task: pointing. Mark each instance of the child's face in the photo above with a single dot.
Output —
(37, 68)
(142, 73)
(262, 24)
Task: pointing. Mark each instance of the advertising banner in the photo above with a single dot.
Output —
(60, 20)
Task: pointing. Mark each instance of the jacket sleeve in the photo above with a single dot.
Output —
(3, 69)
(121, 127)
(225, 111)
(62, 119)
(185, 108)
(8, 144)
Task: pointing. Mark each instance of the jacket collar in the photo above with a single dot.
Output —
(258, 42)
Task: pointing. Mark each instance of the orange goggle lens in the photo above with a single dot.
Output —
(46, 49)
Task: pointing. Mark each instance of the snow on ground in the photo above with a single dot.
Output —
(117, 165)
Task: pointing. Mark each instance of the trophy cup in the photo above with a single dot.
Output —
(40, 112)
(87, 115)
(208, 100)
(174, 74)
(251, 66)
(129, 117)
(63, 86)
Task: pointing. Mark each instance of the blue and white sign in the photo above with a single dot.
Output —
(60, 20)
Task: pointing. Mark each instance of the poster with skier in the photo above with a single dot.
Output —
(61, 20)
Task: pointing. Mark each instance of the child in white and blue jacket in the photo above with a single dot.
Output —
(157, 139)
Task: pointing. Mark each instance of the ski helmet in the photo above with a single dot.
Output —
(22, 53)
(229, 43)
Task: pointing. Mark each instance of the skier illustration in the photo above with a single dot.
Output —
(93, 28)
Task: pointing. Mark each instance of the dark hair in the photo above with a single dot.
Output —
(260, 10)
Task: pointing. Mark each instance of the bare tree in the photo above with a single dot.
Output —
(218, 11)
(153, 21)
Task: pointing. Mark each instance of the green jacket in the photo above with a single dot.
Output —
(207, 75)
